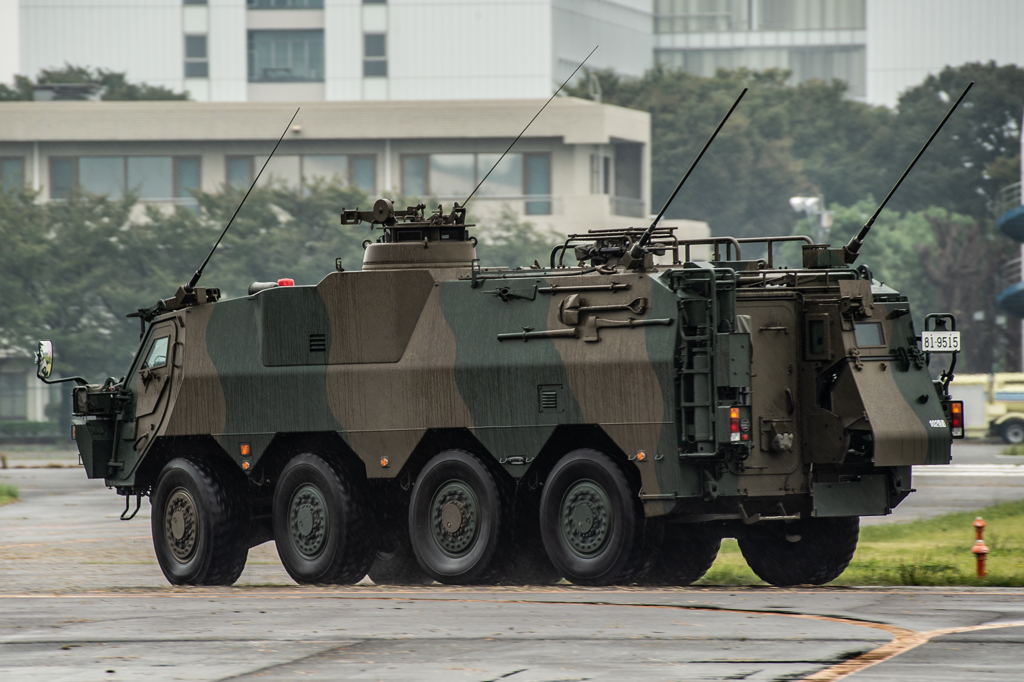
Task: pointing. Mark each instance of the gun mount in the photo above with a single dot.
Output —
(413, 240)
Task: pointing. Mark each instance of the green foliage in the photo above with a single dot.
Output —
(71, 270)
(934, 551)
(784, 141)
(115, 83)
(1013, 450)
(8, 493)
(507, 241)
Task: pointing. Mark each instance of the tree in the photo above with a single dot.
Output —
(509, 242)
(115, 84)
(968, 163)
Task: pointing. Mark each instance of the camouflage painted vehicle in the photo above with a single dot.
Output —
(608, 422)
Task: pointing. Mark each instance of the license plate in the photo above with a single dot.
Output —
(940, 342)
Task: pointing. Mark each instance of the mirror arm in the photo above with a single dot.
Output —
(78, 380)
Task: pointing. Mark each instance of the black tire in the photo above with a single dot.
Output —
(1012, 431)
(395, 562)
(322, 529)
(812, 551)
(677, 553)
(457, 523)
(199, 522)
(591, 520)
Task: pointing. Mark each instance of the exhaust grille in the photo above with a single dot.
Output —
(318, 343)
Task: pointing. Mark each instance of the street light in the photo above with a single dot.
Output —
(814, 206)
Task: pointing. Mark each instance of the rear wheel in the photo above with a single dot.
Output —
(591, 521)
(676, 553)
(812, 551)
(321, 526)
(199, 522)
(1013, 431)
(457, 519)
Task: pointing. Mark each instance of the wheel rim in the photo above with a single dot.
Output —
(587, 517)
(454, 518)
(1015, 434)
(181, 525)
(308, 521)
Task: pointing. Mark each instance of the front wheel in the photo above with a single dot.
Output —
(590, 520)
(1013, 431)
(321, 526)
(198, 523)
(812, 551)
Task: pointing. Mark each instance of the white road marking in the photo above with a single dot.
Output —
(997, 470)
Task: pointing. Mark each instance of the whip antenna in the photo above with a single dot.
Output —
(637, 250)
(529, 124)
(199, 273)
(851, 249)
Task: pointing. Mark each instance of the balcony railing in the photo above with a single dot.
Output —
(1007, 199)
(1010, 272)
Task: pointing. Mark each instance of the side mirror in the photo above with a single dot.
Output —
(44, 360)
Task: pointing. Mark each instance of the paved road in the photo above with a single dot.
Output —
(81, 599)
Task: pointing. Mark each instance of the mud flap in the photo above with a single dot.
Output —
(860, 496)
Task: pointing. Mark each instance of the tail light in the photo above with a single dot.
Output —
(737, 432)
(956, 418)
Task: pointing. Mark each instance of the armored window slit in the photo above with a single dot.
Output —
(317, 343)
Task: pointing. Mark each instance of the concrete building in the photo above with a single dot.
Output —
(879, 47)
(333, 50)
(581, 165)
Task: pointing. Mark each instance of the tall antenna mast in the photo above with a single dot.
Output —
(637, 250)
(199, 273)
(851, 249)
(529, 124)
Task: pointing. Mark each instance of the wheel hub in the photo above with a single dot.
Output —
(454, 518)
(308, 521)
(181, 525)
(586, 517)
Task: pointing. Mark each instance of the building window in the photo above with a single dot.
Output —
(715, 16)
(448, 176)
(195, 2)
(239, 171)
(186, 178)
(12, 175)
(375, 58)
(196, 64)
(301, 172)
(285, 4)
(154, 178)
(374, 2)
(62, 177)
(414, 176)
(286, 56)
(104, 175)
(538, 182)
(364, 173)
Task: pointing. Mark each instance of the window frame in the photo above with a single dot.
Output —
(252, 69)
(352, 171)
(176, 188)
(204, 60)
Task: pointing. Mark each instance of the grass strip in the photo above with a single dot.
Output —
(8, 494)
(933, 552)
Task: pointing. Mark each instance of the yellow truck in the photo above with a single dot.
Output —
(993, 404)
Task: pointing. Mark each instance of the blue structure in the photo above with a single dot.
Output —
(1011, 223)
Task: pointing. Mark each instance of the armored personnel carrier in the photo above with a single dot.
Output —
(607, 420)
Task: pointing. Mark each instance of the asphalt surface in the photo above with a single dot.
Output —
(81, 598)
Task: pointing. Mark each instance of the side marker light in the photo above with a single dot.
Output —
(244, 449)
(384, 461)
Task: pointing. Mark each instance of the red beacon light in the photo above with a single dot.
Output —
(286, 282)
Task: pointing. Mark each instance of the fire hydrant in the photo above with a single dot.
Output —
(980, 550)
